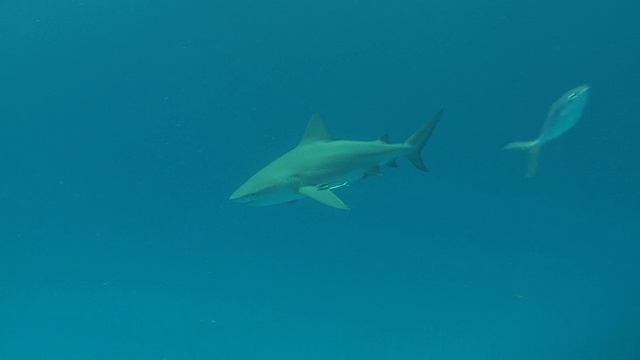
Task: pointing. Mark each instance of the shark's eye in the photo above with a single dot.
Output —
(573, 96)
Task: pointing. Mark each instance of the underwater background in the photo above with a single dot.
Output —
(126, 125)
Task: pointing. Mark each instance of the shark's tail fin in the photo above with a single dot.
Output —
(419, 139)
(534, 153)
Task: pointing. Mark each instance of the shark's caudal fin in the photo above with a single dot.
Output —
(419, 139)
(534, 153)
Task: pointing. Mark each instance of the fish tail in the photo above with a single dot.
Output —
(419, 139)
(521, 145)
(534, 153)
(532, 165)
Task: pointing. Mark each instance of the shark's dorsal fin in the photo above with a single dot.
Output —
(326, 197)
(315, 131)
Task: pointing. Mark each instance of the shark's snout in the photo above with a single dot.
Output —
(241, 197)
(235, 197)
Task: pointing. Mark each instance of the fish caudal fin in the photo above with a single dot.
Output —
(419, 139)
(534, 153)
(532, 165)
(521, 145)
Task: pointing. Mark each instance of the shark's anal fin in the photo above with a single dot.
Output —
(326, 197)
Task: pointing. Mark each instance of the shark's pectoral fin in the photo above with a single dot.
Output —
(326, 197)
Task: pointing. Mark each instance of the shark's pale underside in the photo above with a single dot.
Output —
(320, 164)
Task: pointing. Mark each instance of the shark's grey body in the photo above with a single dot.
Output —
(320, 164)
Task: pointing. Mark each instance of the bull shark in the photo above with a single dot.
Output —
(321, 164)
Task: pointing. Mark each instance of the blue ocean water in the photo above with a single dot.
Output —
(127, 124)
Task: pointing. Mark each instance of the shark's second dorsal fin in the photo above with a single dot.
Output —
(315, 131)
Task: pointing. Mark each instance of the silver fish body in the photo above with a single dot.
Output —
(564, 113)
(562, 116)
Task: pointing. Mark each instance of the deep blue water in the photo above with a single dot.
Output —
(125, 126)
